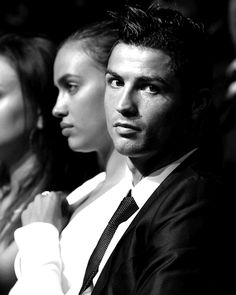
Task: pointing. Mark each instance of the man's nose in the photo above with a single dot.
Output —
(127, 104)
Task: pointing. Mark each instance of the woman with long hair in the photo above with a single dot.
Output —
(79, 75)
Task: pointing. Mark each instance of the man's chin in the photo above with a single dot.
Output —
(125, 150)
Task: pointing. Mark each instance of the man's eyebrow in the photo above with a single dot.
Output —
(147, 79)
(113, 74)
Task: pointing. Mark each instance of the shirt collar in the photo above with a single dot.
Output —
(144, 189)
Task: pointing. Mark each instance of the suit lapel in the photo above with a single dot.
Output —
(164, 187)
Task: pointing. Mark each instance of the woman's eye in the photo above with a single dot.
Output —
(72, 88)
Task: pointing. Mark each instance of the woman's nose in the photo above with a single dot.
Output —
(60, 109)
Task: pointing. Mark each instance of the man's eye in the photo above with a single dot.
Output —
(114, 83)
(152, 89)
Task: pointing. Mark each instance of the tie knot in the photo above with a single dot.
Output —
(126, 209)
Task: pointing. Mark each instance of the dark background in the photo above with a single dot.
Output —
(58, 18)
(55, 18)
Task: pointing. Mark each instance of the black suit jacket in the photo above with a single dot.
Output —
(171, 247)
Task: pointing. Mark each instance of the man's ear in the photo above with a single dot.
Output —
(201, 102)
(39, 123)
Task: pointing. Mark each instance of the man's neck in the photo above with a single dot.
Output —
(141, 167)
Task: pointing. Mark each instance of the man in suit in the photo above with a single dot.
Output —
(158, 111)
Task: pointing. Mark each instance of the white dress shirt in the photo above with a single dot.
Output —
(48, 265)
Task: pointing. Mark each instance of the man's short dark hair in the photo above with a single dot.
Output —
(184, 40)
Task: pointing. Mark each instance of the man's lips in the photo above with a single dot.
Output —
(126, 125)
(126, 129)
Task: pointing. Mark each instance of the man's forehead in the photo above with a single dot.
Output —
(139, 61)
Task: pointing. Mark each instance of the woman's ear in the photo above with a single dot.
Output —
(201, 103)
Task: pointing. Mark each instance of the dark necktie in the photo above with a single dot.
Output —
(126, 209)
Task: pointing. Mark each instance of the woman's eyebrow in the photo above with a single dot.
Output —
(64, 78)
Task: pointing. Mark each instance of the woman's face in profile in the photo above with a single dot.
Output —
(80, 103)
(13, 125)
